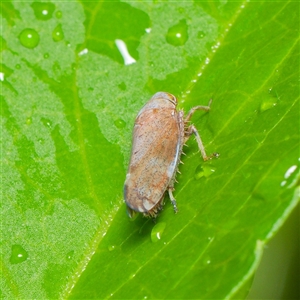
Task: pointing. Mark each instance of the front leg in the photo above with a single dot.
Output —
(199, 107)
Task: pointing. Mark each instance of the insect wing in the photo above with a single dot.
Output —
(154, 157)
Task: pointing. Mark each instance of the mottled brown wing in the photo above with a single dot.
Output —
(154, 157)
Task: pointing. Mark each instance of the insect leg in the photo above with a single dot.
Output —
(192, 130)
(173, 201)
(199, 107)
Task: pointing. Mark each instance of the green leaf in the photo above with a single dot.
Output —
(68, 104)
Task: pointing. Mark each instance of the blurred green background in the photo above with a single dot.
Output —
(278, 274)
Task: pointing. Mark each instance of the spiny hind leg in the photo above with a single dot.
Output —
(172, 199)
(192, 130)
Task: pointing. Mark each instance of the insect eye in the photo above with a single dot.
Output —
(172, 98)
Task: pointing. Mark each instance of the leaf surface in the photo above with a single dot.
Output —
(69, 97)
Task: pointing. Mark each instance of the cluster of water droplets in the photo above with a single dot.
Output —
(30, 37)
(291, 176)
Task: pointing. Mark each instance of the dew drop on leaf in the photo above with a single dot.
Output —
(29, 38)
(122, 86)
(46, 122)
(28, 120)
(204, 171)
(122, 47)
(57, 33)
(3, 44)
(41, 141)
(58, 14)
(111, 248)
(43, 10)
(18, 254)
(266, 105)
(46, 55)
(291, 177)
(201, 34)
(70, 254)
(119, 123)
(157, 231)
(206, 260)
(177, 35)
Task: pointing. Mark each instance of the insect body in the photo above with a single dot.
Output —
(159, 134)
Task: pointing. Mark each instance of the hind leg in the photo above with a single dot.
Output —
(172, 199)
(192, 130)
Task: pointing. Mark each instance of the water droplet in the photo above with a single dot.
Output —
(83, 52)
(28, 120)
(18, 66)
(46, 122)
(43, 10)
(291, 177)
(5, 71)
(57, 34)
(266, 105)
(178, 34)
(41, 141)
(157, 231)
(148, 30)
(18, 254)
(128, 59)
(290, 171)
(46, 55)
(29, 38)
(122, 86)
(204, 171)
(58, 14)
(201, 34)
(70, 254)
(206, 260)
(111, 248)
(119, 123)
(3, 44)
